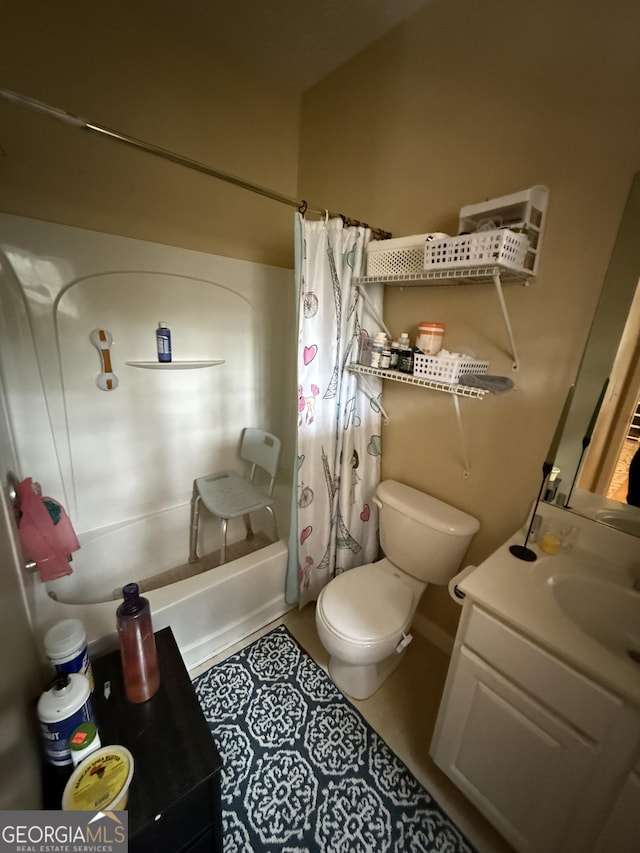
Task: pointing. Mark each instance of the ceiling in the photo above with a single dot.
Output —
(299, 42)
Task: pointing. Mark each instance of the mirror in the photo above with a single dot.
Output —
(595, 438)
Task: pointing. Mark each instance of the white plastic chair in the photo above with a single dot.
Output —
(227, 494)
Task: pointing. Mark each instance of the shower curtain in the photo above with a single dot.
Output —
(334, 524)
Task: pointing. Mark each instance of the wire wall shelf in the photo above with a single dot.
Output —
(447, 278)
(492, 274)
(409, 379)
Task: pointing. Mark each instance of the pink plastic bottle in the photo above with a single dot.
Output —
(137, 646)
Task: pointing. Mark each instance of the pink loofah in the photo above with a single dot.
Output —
(47, 543)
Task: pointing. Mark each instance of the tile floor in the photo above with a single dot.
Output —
(403, 711)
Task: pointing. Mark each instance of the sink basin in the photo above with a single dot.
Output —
(607, 612)
(626, 522)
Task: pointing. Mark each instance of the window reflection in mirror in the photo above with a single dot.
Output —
(616, 437)
(594, 465)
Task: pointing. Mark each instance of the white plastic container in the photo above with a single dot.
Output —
(398, 256)
(443, 368)
(525, 211)
(61, 709)
(380, 344)
(430, 338)
(499, 247)
(66, 647)
(100, 782)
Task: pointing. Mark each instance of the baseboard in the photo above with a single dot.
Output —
(432, 632)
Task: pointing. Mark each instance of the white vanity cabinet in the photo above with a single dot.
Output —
(541, 750)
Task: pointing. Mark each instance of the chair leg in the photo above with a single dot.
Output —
(247, 526)
(193, 528)
(275, 523)
(223, 540)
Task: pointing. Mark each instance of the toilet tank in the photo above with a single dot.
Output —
(422, 535)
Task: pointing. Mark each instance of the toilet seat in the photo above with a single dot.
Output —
(370, 610)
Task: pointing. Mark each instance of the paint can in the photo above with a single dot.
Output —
(66, 648)
(64, 706)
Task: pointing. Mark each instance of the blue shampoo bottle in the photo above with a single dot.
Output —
(163, 341)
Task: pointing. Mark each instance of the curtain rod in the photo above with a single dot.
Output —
(171, 156)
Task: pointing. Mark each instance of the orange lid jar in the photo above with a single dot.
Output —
(430, 337)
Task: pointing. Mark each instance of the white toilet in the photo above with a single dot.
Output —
(363, 615)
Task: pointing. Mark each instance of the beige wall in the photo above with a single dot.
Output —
(472, 99)
(143, 68)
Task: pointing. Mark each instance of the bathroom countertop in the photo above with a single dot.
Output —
(521, 595)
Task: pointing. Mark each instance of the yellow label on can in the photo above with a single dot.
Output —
(100, 780)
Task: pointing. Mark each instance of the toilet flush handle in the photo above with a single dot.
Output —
(404, 642)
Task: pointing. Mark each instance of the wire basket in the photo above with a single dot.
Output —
(444, 369)
(400, 256)
(500, 247)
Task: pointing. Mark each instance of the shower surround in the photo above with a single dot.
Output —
(123, 461)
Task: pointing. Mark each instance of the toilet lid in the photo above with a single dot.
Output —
(366, 604)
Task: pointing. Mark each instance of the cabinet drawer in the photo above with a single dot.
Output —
(177, 827)
(583, 703)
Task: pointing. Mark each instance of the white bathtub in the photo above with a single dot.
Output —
(123, 463)
(207, 612)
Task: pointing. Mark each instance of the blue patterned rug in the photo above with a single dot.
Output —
(303, 770)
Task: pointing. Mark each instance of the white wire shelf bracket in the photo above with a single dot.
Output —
(455, 392)
(409, 379)
(505, 316)
(463, 444)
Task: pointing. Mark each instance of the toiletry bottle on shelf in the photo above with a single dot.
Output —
(405, 357)
(163, 342)
(137, 646)
(377, 348)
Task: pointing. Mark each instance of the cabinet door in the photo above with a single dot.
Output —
(621, 833)
(519, 764)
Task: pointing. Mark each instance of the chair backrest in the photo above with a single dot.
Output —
(262, 449)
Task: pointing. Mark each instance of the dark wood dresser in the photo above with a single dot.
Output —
(174, 800)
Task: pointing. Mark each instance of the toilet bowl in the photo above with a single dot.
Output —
(363, 615)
